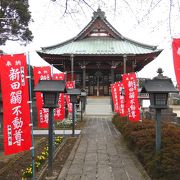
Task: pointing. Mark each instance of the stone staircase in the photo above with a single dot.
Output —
(98, 106)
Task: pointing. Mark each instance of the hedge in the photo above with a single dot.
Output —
(140, 138)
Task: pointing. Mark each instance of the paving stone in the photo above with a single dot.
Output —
(90, 163)
(73, 177)
(89, 169)
(79, 157)
(102, 157)
(103, 162)
(82, 148)
(91, 157)
(75, 169)
(120, 174)
(101, 151)
(88, 177)
(104, 172)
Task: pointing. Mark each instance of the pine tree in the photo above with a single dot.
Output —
(14, 19)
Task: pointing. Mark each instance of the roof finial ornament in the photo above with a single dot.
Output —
(160, 74)
(160, 71)
(99, 13)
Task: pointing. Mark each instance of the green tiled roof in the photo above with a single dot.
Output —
(100, 46)
(113, 44)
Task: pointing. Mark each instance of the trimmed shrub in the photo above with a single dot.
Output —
(140, 138)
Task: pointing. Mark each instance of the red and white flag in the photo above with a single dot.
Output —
(58, 76)
(114, 92)
(59, 113)
(41, 73)
(69, 85)
(118, 98)
(121, 99)
(131, 96)
(176, 59)
(16, 109)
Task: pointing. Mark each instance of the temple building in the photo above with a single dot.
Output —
(98, 56)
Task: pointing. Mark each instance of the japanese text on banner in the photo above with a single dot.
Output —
(69, 85)
(16, 110)
(42, 73)
(131, 96)
(176, 59)
(59, 113)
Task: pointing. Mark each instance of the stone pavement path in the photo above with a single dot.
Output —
(101, 154)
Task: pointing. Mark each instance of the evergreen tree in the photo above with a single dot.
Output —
(14, 19)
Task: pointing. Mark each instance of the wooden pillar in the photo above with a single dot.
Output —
(65, 71)
(112, 74)
(125, 60)
(84, 75)
(112, 81)
(134, 66)
(72, 67)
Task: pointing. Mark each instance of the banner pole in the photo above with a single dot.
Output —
(64, 128)
(54, 135)
(30, 97)
(52, 73)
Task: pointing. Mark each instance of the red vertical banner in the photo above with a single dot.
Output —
(15, 96)
(131, 96)
(176, 59)
(114, 89)
(121, 99)
(58, 76)
(42, 73)
(69, 85)
(59, 113)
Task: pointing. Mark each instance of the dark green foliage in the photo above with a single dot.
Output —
(14, 20)
(140, 138)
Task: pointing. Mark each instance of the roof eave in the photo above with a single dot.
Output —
(65, 54)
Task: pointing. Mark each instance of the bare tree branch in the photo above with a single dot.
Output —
(81, 7)
(131, 10)
(178, 4)
(115, 3)
(151, 4)
(148, 12)
(88, 5)
(170, 6)
(66, 6)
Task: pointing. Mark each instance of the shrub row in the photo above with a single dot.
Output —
(140, 138)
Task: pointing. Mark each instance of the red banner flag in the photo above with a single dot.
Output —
(131, 96)
(121, 99)
(42, 73)
(69, 85)
(176, 59)
(59, 113)
(118, 98)
(15, 96)
(115, 97)
(59, 76)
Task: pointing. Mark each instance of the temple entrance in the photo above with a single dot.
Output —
(97, 84)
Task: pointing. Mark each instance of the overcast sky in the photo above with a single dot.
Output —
(153, 22)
